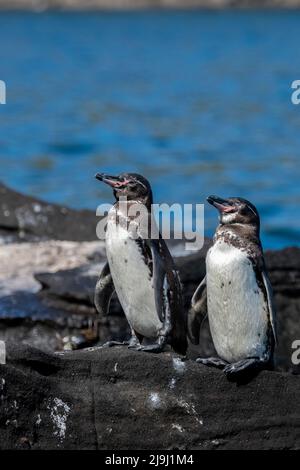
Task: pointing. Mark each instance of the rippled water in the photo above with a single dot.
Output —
(197, 102)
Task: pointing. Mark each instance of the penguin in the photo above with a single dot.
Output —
(140, 269)
(236, 293)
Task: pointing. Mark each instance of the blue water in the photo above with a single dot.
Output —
(199, 102)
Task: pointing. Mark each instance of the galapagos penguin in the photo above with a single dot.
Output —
(236, 293)
(140, 269)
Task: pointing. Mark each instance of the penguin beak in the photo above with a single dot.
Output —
(113, 181)
(223, 205)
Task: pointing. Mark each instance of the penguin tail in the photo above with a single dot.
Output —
(194, 326)
(180, 345)
(179, 340)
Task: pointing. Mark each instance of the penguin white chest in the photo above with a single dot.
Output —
(237, 308)
(132, 280)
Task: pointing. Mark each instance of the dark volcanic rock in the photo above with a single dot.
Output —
(119, 399)
(26, 218)
(73, 290)
(284, 271)
(33, 319)
(76, 284)
(33, 307)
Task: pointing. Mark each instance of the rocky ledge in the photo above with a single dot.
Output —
(120, 399)
(24, 218)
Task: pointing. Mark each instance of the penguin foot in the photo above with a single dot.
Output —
(212, 362)
(110, 344)
(236, 367)
(154, 348)
(134, 344)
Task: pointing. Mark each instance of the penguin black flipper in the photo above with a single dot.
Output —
(104, 291)
(263, 279)
(174, 309)
(197, 312)
(168, 296)
(271, 305)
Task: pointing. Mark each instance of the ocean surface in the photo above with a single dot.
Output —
(198, 102)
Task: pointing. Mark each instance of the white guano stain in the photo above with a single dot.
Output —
(2, 385)
(59, 412)
(38, 420)
(179, 365)
(37, 208)
(191, 410)
(177, 427)
(154, 400)
(215, 442)
(172, 383)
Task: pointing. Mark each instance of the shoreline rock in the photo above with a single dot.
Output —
(120, 399)
(25, 218)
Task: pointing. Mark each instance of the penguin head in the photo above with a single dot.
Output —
(131, 186)
(235, 210)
